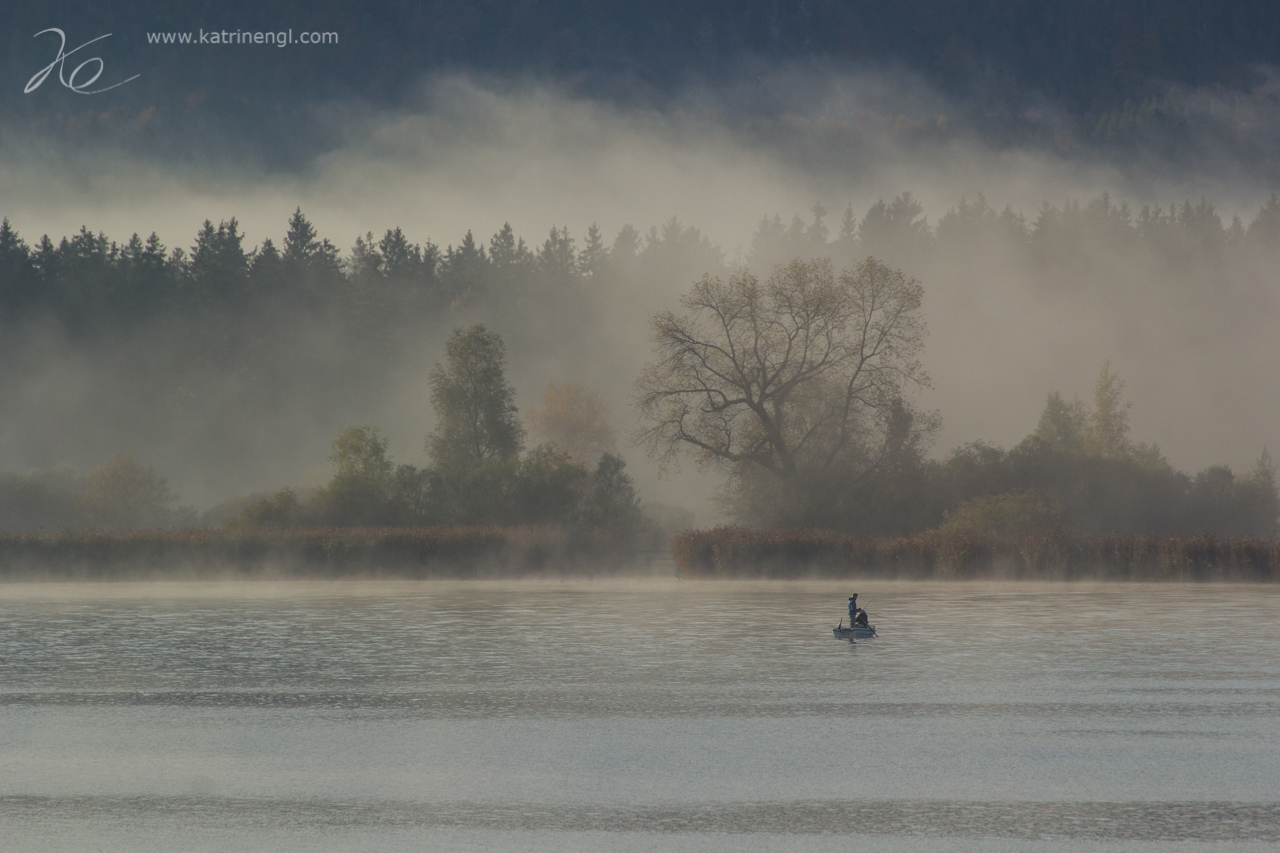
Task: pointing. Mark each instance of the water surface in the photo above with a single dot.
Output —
(644, 715)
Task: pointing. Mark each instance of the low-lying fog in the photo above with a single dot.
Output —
(1196, 347)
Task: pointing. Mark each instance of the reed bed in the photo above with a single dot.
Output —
(414, 552)
(737, 552)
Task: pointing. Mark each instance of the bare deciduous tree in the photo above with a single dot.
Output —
(805, 374)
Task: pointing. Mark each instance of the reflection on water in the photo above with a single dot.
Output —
(1078, 714)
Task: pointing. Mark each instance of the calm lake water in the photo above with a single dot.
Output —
(645, 715)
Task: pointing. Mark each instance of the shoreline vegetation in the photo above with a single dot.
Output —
(1051, 555)
(792, 373)
(722, 553)
(309, 553)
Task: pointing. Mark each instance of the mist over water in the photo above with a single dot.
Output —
(637, 713)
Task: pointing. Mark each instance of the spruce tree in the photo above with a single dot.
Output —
(594, 254)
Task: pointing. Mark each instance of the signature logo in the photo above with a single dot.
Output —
(60, 63)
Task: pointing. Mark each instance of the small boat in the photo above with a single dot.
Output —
(858, 628)
(855, 632)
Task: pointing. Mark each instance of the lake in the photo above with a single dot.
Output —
(652, 714)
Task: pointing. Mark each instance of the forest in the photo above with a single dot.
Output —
(187, 333)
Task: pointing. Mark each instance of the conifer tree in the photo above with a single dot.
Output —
(17, 272)
(307, 261)
(848, 227)
(1063, 425)
(1264, 230)
(218, 266)
(266, 269)
(556, 258)
(465, 270)
(401, 260)
(594, 254)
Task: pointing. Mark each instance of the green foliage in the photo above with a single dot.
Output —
(1078, 469)
(478, 475)
(360, 490)
(549, 487)
(414, 497)
(478, 492)
(475, 405)
(1081, 463)
(124, 494)
(611, 502)
(360, 453)
(1109, 433)
(466, 272)
(1013, 512)
(1063, 426)
(896, 229)
(1074, 429)
(120, 494)
(367, 490)
(594, 254)
(281, 510)
(544, 487)
(304, 252)
(218, 267)
(186, 337)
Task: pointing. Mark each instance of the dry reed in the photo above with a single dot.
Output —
(737, 552)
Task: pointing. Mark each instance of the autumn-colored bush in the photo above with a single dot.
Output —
(737, 552)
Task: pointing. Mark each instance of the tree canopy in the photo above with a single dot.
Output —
(573, 419)
(123, 493)
(474, 402)
(799, 376)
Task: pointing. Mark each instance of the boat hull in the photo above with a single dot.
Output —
(857, 632)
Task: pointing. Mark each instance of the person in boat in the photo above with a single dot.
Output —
(857, 616)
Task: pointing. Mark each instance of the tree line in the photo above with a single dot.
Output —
(799, 389)
(1069, 235)
(480, 472)
(93, 286)
(223, 326)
